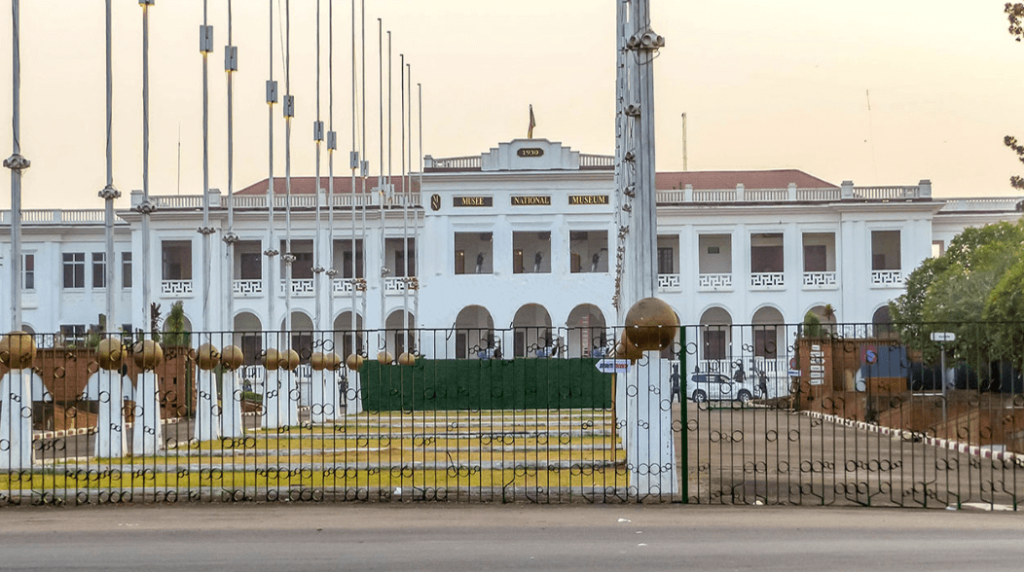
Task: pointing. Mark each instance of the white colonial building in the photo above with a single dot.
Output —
(521, 237)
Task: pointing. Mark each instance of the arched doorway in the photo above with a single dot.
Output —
(587, 334)
(300, 338)
(716, 341)
(343, 335)
(881, 321)
(248, 335)
(531, 331)
(474, 334)
(769, 340)
(396, 336)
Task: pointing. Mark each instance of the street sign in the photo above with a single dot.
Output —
(613, 366)
(943, 337)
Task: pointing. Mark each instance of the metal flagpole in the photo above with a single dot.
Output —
(205, 47)
(318, 137)
(419, 162)
(146, 209)
(230, 238)
(109, 193)
(364, 165)
(353, 163)
(289, 113)
(384, 271)
(272, 248)
(16, 163)
(332, 146)
(407, 188)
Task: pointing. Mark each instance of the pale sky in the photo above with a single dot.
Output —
(765, 84)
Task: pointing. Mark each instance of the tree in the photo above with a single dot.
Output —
(953, 292)
(175, 326)
(1005, 309)
(1015, 14)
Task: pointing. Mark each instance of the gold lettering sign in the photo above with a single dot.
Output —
(473, 201)
(531, 201)
(530, 152)
(588, 199)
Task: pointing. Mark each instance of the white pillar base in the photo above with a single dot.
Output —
(207, 423)
(280, 400)
(354, 394)
(148, 434)
(111, 441)
(16, 419)
(231, 406)
(650, 445)
(325, 403)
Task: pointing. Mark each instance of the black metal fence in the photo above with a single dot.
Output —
(929, 415)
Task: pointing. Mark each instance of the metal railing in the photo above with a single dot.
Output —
(764, 413)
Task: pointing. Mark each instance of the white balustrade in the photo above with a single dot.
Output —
(767, 281)
(597, 161)
(766, 195)
(710, 282)
(884, 193)
(887, 278)
(176, 288)
(343, 286)
(669, 283)
(246, 288)
(820, 280)
(300, 287)
(394, 285)
(817, 194)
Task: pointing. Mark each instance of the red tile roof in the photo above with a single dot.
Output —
(720, 180)
(306, 185)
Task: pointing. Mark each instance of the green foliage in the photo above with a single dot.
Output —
(1005, 308)
(949, 292)
(175, 326)
(1015, 14)
(812, 325)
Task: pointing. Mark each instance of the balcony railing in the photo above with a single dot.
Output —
(713, 282)
(820, 280)
(300, 287)
(395, 285)
(246, 288)
(343, 286)
(887, 278)
(767, 281)
(794, 194)
(176, 288)
(669, 283)
(59, 216)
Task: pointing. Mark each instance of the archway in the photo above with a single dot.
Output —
(587, 334)
(474, 334)
(397, 338)
(300, 338)
(343, 335)
(531, 330)
(881, 322)
(768, 337)
(716, 341)
(248, 335)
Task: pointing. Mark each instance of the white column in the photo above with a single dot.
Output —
(325, 402)
(16, 419)
(110, 441)
(271, 400)
(231, 405)
(354, 394)
(147, 436)
(207, 423)
(650, 446)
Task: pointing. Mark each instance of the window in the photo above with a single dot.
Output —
(766, 253)
(302, 267)
(815, 258)
(588, 251)
(766, 342)
(73, 333)
(885, 250)
(396, 256)
(251, 266)
(99, 270)
(666, 260)
(531, 252)
(177, 259)
(28, 269)
(74, 270)
(126, 270)
(474, 253)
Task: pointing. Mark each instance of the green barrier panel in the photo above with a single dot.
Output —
(432, 385)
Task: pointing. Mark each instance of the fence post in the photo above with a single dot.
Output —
(683, 418)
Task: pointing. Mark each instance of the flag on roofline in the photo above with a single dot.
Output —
(533, 123)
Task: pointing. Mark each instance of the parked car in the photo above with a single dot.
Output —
(718, 387)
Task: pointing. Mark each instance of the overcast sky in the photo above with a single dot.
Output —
(765, 84)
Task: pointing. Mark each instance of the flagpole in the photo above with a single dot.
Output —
(109, 193)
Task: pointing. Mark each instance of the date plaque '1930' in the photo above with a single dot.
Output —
(530, 152)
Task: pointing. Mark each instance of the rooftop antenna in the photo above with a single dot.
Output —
(684, 143)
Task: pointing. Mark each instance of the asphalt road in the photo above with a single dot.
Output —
(254, 538)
